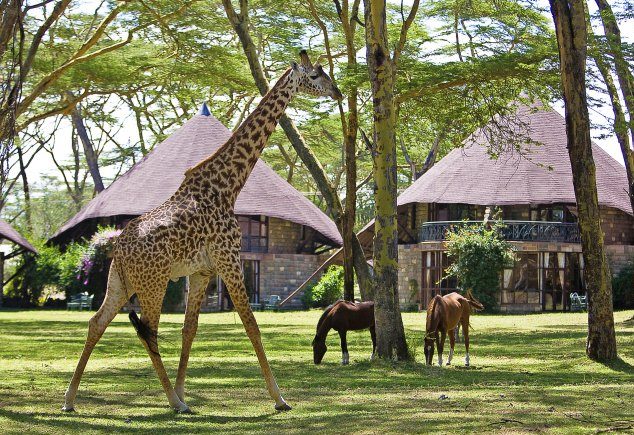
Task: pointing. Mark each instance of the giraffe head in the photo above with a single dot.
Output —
(313, 80)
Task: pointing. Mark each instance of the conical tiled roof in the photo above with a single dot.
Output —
(9, 233)
(155, 178)
(469, 176)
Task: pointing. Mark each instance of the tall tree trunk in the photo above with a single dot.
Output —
(615, 45)
(390, 333)
(89, 150)
(626, 82)
(1, 278)
(619, 124)
(240, 23)
(570, 25)
(26, 190)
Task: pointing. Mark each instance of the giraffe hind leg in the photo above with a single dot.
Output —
(151, 313)
(114, 300)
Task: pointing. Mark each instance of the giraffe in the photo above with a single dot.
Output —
(195, 233)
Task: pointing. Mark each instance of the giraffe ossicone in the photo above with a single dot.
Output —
(195, 233)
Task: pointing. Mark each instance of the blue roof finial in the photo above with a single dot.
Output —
(204, 110)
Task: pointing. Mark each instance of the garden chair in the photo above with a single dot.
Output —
(577, 302)
(273, 303)
(80, 301)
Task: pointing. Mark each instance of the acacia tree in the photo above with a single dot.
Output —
(602, 50)
(382, 67)
(570, 25)
(240, 22)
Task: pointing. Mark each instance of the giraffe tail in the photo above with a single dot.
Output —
(144, 332)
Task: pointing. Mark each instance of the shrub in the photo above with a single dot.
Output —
(623, 287)
(327, 291)
(479, 255)
(174, 294)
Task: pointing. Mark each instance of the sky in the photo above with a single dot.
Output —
(43, 165)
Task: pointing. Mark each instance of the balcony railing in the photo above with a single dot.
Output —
(530, 231)
(254, 244)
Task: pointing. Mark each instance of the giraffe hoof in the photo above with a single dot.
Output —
(183, 409)
(283, 407)
(66, 408)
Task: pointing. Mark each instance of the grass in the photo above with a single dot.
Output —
(529, 374)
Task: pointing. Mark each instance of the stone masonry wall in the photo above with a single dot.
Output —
(617, 226)
(284, 236)
(618, 256)
(280, 274)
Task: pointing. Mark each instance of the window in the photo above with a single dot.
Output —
(251, 273)
(456, 212)
(434, 280)
(254, 233)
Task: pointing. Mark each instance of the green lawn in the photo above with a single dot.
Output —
(528, 374)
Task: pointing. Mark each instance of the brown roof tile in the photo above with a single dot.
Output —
(9, 233)
(467, 175)
(155, 178)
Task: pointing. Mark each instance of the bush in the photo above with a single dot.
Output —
(327, 291)
(479, 255)
(82, 267)
(174, 294)
(623, 287)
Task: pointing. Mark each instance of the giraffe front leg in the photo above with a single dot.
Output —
(230, 270)
(114, 300)
(197, 288)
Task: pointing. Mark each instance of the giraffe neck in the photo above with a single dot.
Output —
(230, 166)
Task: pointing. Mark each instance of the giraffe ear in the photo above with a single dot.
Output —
(294, 66)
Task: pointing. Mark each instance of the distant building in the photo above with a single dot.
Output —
(8, 233)
(536, 197)
(284, 235)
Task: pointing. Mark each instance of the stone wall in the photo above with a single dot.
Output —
(409, 273)
(280, 274)
(617, 226)
(618, 256)
(284, 236)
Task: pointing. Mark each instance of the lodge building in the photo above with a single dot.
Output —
(535, 196)
(284, 235)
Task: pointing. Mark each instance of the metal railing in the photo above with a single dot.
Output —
(254, 244)
(530, 231)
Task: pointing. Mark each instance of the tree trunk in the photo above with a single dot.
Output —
(89, 151)
(619, 124)
(1, 278)
(390, 333)
(570, 25)
(615, 45)
(624, 75)
(26, 190)
(239, 21)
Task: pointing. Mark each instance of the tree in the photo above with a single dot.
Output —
(571, 30)
(382, 71)
(619, 123)
(240, 23)
(601, 54)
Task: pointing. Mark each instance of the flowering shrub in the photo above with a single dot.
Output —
(479, 254)
(97, 253)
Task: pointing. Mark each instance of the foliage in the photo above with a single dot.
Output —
(479, 256)
(174, 294)
(50, 269)
(328, 290)
(623, 287)
(82, 267)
